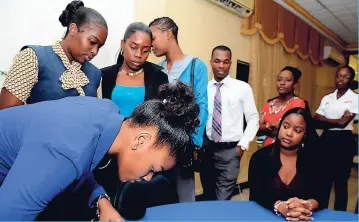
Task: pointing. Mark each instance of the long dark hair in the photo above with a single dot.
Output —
(309, 140)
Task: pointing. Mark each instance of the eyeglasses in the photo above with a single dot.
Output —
(342, 76)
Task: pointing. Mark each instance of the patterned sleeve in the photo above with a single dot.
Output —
(99, 90)
(23, 74)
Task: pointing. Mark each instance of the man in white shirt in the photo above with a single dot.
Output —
(228, 100)
(336, 115)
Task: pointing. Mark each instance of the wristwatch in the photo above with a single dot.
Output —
(97, 200)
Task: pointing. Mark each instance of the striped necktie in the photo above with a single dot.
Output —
(217, 115)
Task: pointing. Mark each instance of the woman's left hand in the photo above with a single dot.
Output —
(300, 218)
(307, 205)
(294, 202)
(108, 212)
(298, 210)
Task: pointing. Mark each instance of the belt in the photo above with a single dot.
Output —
(225, 145)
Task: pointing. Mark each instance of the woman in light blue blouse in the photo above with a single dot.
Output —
(179, 66)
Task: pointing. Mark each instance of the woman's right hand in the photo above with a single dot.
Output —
(299, 214)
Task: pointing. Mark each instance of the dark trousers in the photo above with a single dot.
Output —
(219, 170)
(208, 178)
(133, 199)
(184, 183)
(337, 148)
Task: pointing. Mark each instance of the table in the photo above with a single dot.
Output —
(230, 211)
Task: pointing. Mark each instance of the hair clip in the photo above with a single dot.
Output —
(165, 100)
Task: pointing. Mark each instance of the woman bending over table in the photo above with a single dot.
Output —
(47, 148)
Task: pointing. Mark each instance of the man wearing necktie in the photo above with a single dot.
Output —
(228, 100)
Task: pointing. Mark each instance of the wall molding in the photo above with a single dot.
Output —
(318, 25)
(352, 47)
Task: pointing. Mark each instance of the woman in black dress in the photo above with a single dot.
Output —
(282, 176)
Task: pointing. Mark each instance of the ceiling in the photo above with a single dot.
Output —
(339, 16)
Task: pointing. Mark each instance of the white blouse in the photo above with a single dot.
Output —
(332, 108)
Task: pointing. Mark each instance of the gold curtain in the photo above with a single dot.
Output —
(276, 24)
(267, 61)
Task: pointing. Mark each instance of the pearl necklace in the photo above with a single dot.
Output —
(131, 73)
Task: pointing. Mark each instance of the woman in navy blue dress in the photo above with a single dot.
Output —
(42, 73)
(47, 148)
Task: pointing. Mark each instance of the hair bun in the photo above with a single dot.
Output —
(180, 108)
(295, 71)
(66, 15)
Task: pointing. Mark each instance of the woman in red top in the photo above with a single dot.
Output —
(274, 109)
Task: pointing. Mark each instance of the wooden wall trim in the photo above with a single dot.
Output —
(300, 10)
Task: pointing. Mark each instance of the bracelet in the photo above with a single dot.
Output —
(276, 208)
(97, 201)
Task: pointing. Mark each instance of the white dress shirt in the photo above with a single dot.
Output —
(332, 108)
(237, 99)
